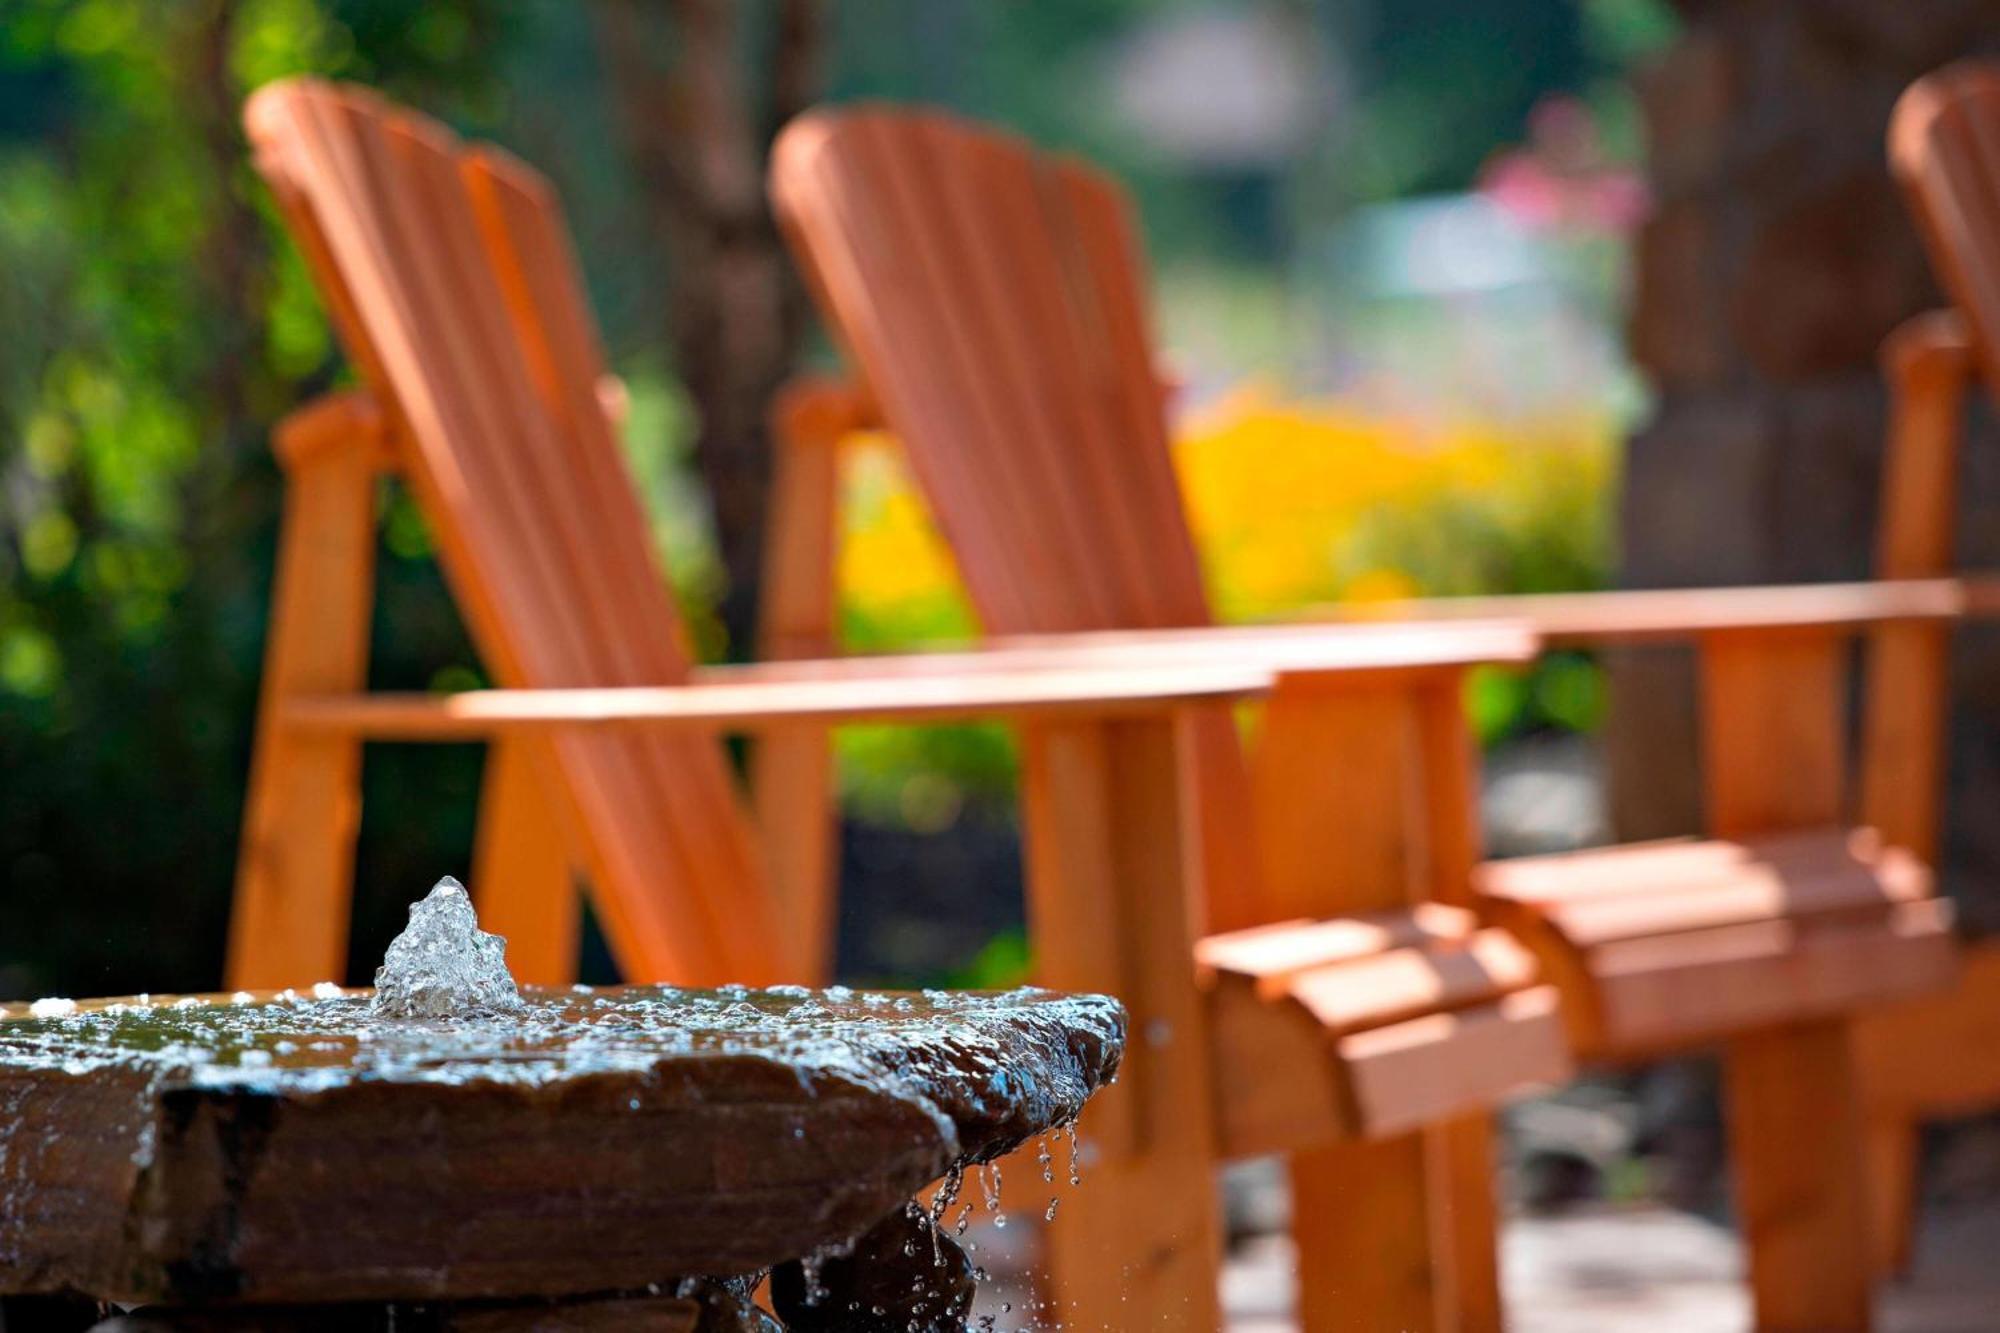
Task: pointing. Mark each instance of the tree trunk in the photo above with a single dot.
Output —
(699, 124)
(1777, 258)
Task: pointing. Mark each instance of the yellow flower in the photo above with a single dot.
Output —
(1295, 502)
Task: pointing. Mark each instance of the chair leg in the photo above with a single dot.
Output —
(1465, 1222)
(791, 774)
(521, 876)
(798, 824)
(1361, 1216)
(294, 875)
(1399, 1233)
(1892, 1191)
(1140, 1244)
(1795, 1139)
(295, 870)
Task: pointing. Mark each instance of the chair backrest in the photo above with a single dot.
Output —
(448, 272)
(1944, 146)
(990, 297)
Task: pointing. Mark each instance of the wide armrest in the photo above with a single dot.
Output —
(1310, 648)
(1590, 619)
(752, 705)
(1094, 675)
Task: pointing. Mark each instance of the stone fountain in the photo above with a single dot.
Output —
(449, 1152)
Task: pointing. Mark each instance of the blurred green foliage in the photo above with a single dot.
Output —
(158, 327)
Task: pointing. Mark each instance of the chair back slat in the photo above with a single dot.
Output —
(1944, 146)
(449, 275)
(988, 296)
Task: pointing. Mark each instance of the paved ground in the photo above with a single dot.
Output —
(1629, 1270)
(1652, 1270)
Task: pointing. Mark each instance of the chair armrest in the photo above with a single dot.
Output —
(1088, 674)
(754, 705)
(1596, 619)
(1312, 648)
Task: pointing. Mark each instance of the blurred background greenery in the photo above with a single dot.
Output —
(1390, 267)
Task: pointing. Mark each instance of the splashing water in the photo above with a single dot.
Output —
(443, 965)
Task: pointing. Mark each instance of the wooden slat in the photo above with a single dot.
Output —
(1412, 1073)
(1404, 983)
(475, 713)
(1651, 615)
(998, 681)
(1404, 654)
(1269, 955)
(1677, 990)
(1662, 866)
(1108, 263)
(1757, 891)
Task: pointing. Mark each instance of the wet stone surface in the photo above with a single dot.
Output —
(306, 1148)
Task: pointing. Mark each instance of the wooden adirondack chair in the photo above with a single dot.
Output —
(449, 277)
(989, 297)
(990, 300)
(1940, 1056)
(447, 272)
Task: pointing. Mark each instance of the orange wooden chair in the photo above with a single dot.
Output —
(989, 297)
(991, 302)
(447, 271)
(1939, 1056)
